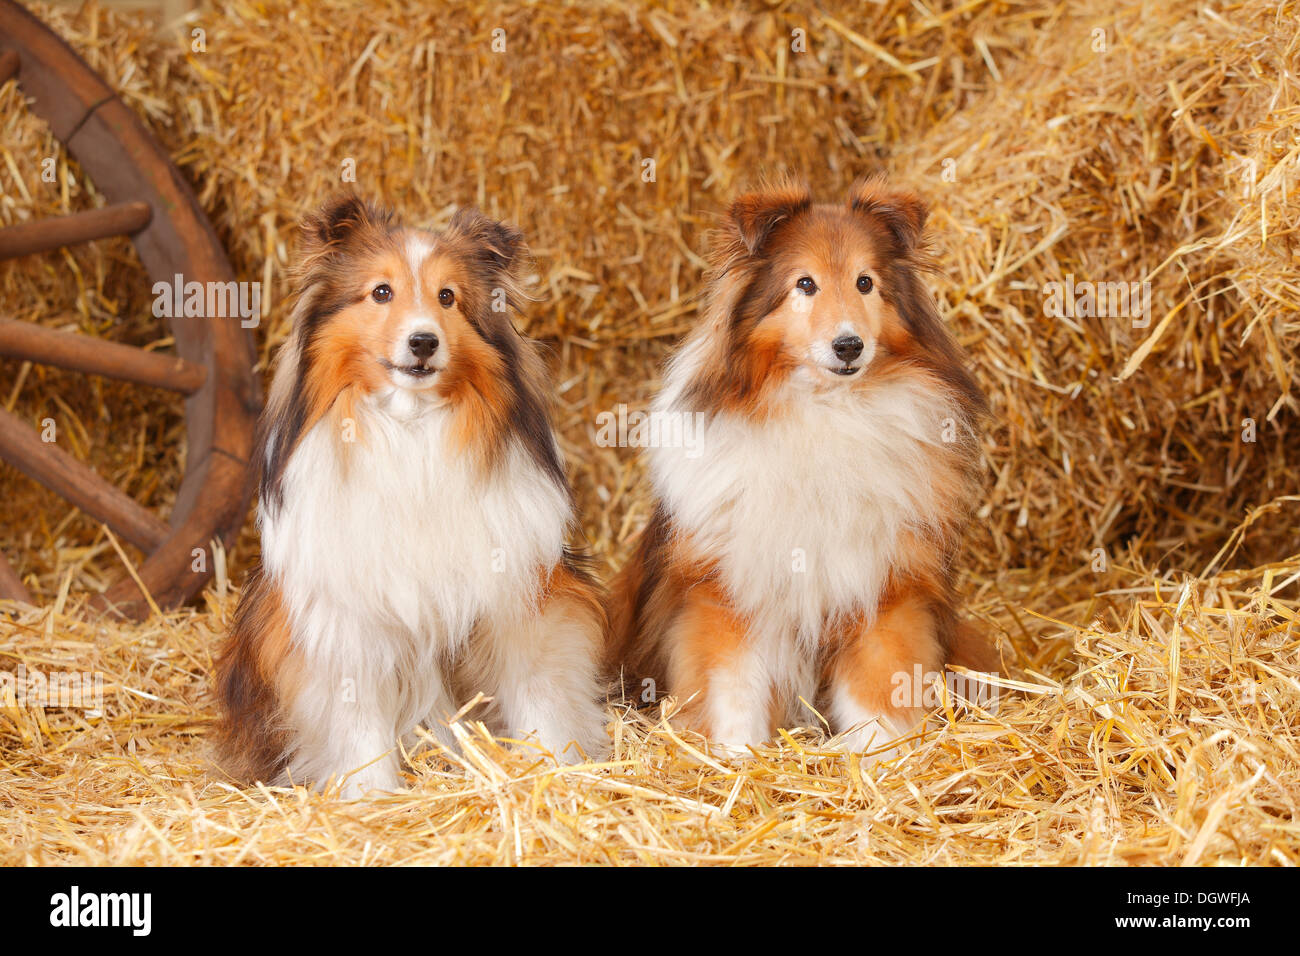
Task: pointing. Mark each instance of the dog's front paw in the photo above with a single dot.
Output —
(573, 745)
(733, 748)
(373, 781)
(876, 740)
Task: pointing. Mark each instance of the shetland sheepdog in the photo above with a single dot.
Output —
(413, 513)
(801, 552)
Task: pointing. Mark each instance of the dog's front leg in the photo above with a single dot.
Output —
(543, 669)
(342, 710)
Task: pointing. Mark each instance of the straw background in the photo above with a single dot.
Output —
(1155, 717)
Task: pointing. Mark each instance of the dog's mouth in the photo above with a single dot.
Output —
(843, 370)
(415, 371)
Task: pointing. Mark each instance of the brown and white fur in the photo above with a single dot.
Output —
(413, 512)
(804, 546)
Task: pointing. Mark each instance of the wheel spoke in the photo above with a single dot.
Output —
(70, 479)
(42, 235)
(11, 585)
(81, 353)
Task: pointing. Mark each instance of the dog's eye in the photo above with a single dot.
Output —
(865, 284)
(382, 292)
(806, 285)
(447, 298)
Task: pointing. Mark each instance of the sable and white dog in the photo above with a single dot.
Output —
(413, 512)
(803, 546)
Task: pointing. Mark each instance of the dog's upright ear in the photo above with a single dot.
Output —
(902, 212)
(335, 223)
(752, 216)
(495, 251)
(497, 244)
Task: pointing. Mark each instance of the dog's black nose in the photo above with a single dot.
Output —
(424, 344)
(847, 347)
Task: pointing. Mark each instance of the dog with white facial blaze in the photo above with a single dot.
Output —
(803, 554)
(414, 514)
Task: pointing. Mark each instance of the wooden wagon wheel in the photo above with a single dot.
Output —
(214, 362)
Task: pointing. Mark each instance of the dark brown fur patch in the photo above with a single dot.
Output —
(250, 740)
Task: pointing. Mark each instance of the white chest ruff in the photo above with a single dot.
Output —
(402, 534)
(804, 514)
